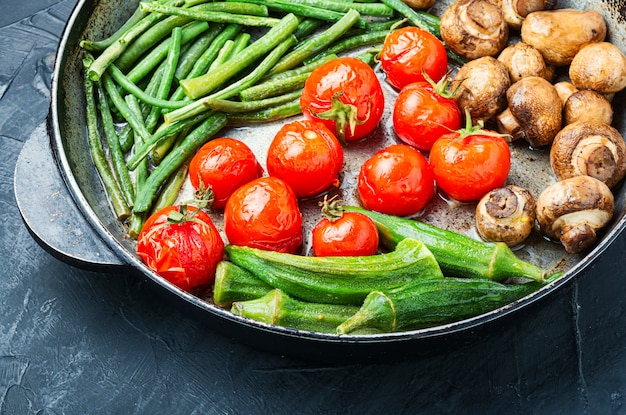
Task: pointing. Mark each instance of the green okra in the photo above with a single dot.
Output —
(431, 302)
(458, 255)
(338, 280)
(279, 309)
(234, 283)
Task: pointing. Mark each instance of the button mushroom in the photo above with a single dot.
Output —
(573, 210)
(474, 28)
(599, 66)
(565, 89)
(587, 105)
(481, 87)
(515, 11)
(522, 60)
(534, 112)
(559, 34)
(506, 214)
(590, 149)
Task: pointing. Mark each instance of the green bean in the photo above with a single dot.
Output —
(279, 112)
(234, 88)
(97, 152)
(171, 188)
(369, 38)
(190, 57)
(306, 27)
(115, 150)
(210, 16)
(306, 11)
(419, 18)
(365, 9)
(200, 135)
(225, 105)
(100, 45)
(316, 43)
(201, 85)
(235, 7)
(223, 54)
(111, 53)
(307, 68)
(272, 88)
(159, 52)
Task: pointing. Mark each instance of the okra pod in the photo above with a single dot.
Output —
(338, 280)
(458, 255)
(234, 283)
(431, 302)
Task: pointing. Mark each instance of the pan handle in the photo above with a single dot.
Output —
(49, 212)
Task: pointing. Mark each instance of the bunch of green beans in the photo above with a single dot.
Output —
(178, 71)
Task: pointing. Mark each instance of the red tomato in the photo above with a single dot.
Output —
(184, 250)
(469, 163)
(345, 94)
(409, 52)
(424, 112)
(223, 164)
(342, 233)
(396, 180)
(264, 214)
(307, 156)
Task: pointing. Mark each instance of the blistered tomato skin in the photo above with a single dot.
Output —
(353, 234)
(224, 164)
(466, 168)
(307, 156)
(409, 52)
(354, 84)
(187, 253)
(396, 180)
(264, 214)
(421, 115)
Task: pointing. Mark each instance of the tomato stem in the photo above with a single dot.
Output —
(344, 115)
(331, 208)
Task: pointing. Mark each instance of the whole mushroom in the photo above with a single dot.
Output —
(515, 11)
(591, 149)
(587, 105)
(522, 60)
(599, 66)
(474, 28)
(573, 210)
(559, 34)
(506, 214)
(481, 86)
(534, 112)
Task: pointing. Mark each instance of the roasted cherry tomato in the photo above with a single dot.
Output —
(345, 94)
(470, 162)
(223, 164)
(396, 180)
(307, 156)
(181, 244)
(342, 233)
(264, 214)
(423, 112)
(409, 52)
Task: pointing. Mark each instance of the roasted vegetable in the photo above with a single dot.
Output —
(233, 283)
(338, 280)
(458, 255)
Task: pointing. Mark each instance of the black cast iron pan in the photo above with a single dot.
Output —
(75, 223)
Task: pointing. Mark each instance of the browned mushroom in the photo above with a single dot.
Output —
(590, 149)
(599, 66)
(506, 214)
(573, 210)
(419, 4)
(559, 34)
(534, 112)
(474, 28)
(522, 60)
(587, 105)
(482, 84)
(565, 89)
(515, 11)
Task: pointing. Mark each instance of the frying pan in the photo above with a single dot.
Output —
(78, 225)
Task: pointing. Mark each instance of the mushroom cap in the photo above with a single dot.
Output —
(599, 66)
(482, 84)
(587, 105)
(559, 34)
(589, 149)
(515, 11)
(565, 89)
(474, 28)
(506, 214)
(522, 60)
(536, 106)
(573, 210)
